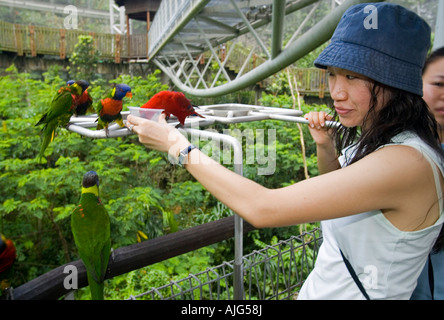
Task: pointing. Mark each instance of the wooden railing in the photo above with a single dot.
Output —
(51, 284)
(34, 40)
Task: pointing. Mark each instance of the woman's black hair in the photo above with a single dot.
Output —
(435, 55)
(404, 111)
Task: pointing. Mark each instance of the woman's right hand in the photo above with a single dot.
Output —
(323, 137)
(318, 127)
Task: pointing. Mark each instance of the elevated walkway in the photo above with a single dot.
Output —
(207, 48)
(193, 41)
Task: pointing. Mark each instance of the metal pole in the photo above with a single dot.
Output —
(238, 221)
(278, 27)
(439, 28)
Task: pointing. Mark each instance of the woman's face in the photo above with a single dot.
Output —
(351, 94)
(433, 88)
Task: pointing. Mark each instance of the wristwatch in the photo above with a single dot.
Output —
(183, 155)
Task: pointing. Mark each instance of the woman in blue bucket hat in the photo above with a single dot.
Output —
(379, 196)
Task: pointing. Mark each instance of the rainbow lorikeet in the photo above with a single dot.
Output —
(90, 226)
(174, 103)
(62, 107)
(84, 103)
(8, 255)
(108, 109)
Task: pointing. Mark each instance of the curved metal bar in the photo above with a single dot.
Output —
(309, 41)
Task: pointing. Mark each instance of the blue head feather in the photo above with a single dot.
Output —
(121, 91)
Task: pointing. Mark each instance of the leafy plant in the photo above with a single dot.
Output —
(140, 188)
(84, 59)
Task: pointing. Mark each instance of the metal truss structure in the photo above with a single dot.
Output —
(196, 42)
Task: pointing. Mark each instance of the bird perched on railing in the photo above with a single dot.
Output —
(108, 109)
(173, 103)
(8, 255)
(90, 226)
(84, 103)
(62, 107)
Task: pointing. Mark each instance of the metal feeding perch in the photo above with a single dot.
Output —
(222, 113)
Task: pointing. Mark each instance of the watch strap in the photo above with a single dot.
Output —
(183, 155)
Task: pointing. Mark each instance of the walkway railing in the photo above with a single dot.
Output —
(34, 40)
(275, 272)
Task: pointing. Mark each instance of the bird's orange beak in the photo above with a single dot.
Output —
(129, 95)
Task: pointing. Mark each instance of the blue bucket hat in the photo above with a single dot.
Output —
(382, 41)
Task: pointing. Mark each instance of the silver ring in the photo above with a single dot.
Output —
(130, 128)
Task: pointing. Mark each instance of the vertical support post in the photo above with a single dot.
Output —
(128, 36)
(32, 41)
(238, 271)
(62, 43)
(148, 25)
(18, 39)
(439, 28)
(111, 16)
(117, 49)
(122, 20)
(238, 239)
(322, 83)
(277, 21)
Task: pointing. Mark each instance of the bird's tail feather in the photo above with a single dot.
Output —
(48, 136)
(95, 288)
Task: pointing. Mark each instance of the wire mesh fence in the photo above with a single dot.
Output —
(275, 272)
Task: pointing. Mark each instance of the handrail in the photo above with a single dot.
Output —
(34, 40)
(123, 260)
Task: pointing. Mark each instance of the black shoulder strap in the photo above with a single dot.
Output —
(354, 276)
(431, 278)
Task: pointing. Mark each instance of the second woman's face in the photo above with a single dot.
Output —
(351, 95)
(433, 88)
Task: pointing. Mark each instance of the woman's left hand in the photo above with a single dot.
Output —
(157, 135)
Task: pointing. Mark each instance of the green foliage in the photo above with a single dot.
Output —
(141, 190)
(84, 59)
(37, 199)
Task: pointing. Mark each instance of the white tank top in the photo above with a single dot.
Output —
(387, 261)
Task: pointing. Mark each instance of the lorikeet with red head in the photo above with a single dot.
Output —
(8, 255)
(174, 103)
(62, 107)
(84, 103)
(108, 109)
